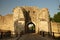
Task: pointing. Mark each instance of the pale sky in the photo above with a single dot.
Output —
(6, 6)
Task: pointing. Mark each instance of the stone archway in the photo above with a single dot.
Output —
(30, 27)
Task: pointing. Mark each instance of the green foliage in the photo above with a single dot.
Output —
(57, 17)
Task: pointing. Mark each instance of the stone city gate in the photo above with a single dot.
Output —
(23, 16)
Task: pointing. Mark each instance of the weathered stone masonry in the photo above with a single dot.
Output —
(25, 15)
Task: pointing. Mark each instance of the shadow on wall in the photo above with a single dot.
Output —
(27, 18)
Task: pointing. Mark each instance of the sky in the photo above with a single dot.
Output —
(6, 6)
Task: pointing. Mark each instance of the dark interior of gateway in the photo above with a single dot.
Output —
(31, 28)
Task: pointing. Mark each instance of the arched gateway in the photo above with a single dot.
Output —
(31, 27)
(31, 19)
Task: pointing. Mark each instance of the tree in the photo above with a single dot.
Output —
(57, 17)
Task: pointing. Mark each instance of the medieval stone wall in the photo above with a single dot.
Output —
(55, 28)
(6, 23)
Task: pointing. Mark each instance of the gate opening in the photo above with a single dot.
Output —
(31, 27)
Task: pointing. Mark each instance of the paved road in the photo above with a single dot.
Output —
(30, 36)
(33, 36)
